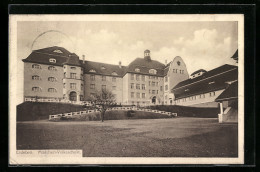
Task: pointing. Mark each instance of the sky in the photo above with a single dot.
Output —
(202, 45)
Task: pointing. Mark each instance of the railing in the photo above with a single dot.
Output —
(111, 109)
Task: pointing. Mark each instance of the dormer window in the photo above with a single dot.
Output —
(137, 69)
(92, 70)
(114, 73)
(52, 60)
(212, 82)
(187, 90)
(102, 67)
(58, 51)
(152, 71)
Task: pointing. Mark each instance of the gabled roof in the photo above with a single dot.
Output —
(231, 92)
(145, 66)
(107, 70)
(43, 55)
(212, 80)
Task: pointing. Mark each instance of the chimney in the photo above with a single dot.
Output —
(83, 57)
(120, 64)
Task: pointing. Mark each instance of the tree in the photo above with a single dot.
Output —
(103, 100)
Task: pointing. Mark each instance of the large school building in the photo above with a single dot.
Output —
(56, 74)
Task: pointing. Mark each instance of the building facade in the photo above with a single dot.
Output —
(55, 73)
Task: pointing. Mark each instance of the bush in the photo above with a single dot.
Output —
(130, 113)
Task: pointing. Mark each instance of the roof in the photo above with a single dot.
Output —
(231, 92)
(212, 80)
(235, 56)
(198, 71)
(145, 65)
(61, 55)
(107, 70)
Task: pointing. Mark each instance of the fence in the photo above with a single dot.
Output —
(110, 109)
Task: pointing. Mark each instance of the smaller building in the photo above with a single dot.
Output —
(228, 101)
(202, 89)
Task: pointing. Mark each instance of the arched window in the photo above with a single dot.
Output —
(52, 90)
(36, 66)
(52, 60)
(52, 79)
(52, 68)
(36, 89)
(92, 70)
(137, 69)
(36, 77)
(152, 71)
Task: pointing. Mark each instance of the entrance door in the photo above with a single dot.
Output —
(73, 96)
(154, 100)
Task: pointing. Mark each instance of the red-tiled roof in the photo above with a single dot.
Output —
(231, 92)
(212, 80)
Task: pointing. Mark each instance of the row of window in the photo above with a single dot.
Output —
(37, 66)
(151, 71)
(138, 95)
(143, 86)
(176, 71)
(73, 86)
(39, 89)
(51, 79)
(103, 87)
(211, 94)
(104, 78)
(94, 71)
(139, 77)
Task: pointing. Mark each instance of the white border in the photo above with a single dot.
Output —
(14, 159)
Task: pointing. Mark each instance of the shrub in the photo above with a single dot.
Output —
(130, 113)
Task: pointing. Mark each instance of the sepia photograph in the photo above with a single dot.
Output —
(126, 89)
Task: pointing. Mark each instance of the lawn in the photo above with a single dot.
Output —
(173, 137)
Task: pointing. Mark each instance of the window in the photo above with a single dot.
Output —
(137, 69)
(114, 73)
(143, 95)
(36, 77)
(143, 78)
(138, 86)
(52, 79)
(133, 103)
(64, 74)
(92, 86)
(52, 68)
(152, 71)
(156, 83)
(137, 77)
(36, 66)
(92, 70)
(114, 88)
(166, 87)
(166, 79)
(157, 91)
(92, 77)
(153, 91)
(178, 63)
(212, 94)
(64, 85)
(153, 83)
(73, 85)
(202, 96)
(73, 68)
(149, 91)
(174, 71)
(132, 85)
(138, 95)
(57, 51)
(161, 88)
(73, 75)
(52, 60)
(103, 87)
(52, 90)
(132, 76)
(114, 79)
(143, 86)
(132, 94)
(36, 89)
(103, 78)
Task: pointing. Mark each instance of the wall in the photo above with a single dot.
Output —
(109, 86)
(44, 73)
(200, 101)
